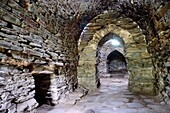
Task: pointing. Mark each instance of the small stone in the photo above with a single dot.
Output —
(40, 62)
(42, 72)
(2, 56)
(35, 45)
(167, 64)
(59, 64)
(12, 108)
(32, 104)
(149, 100)
(2, 23)
(90, 111)
(134, 105)
(70, 102)
(10, 18)
(54, 55)
(1, 78)
(21, 107)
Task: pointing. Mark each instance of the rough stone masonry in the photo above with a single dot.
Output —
(39, 42)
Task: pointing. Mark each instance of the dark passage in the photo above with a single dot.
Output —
(42, 84)
(116, 63)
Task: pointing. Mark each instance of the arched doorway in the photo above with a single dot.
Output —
(138, 59)
(107, 46)
(116, 64)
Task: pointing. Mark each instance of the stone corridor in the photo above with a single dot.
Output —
(60, 56)
(112, 97)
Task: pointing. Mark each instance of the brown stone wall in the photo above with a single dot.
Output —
(160, 47)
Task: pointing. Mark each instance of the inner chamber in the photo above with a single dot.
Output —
(110, 57)
(116, 64)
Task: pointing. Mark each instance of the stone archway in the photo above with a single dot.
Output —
(116, 63)
(138, 59)
(105, 47)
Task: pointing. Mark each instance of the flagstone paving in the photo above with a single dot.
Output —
(112, 97)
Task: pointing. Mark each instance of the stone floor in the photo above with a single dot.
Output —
(112, 97)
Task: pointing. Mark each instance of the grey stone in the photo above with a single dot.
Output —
(2, 79)
(26, 37)
(58, 63)
(40, 62)
(167, 64)
(40, 50)
(32, 104)
(10, 18)
(125, 110)
(149, 100)
(12, 109)
(22, 107)
(32, 52)
(143, 110)
(154, 107)
(115, 104)
(2, 23)
(20, 57)
(134, 105)
(42, 72)
(11, 37)
(35, 45)
(3, 55)
(90, 111)
(54, 55)
(8, 45)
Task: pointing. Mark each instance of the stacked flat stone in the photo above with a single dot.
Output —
(17, 91)
(36, 33)
(29, 40)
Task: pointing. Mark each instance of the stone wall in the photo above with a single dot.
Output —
(17, 90)
(34, 42)
(40, 36)
(159, 46)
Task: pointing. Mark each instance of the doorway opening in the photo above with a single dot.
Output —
(116, 64)
(111, 57)
(111, 62)
(42, 85)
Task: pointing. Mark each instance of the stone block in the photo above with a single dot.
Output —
(167, 64)
(32, 104)
(2, 23)
(11, 18)
(12, 108)
(8, 36)
(8, 45)
(3, 56)
(35, 45)
(54, 55)
(21, 107)
(26, 37)
(142, 87)
(32, 52)
(5, 105)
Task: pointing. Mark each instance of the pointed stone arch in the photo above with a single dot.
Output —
(105, 47)
(117, 52)
(114, 59)
(138, 59)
